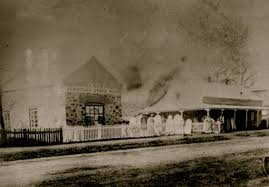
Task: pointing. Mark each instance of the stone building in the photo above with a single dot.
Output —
(93, 95)
(34, 98)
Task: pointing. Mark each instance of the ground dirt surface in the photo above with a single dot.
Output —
(223, 163)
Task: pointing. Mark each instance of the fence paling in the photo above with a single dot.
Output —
(99, 132)
(73, 134)
(33, 135)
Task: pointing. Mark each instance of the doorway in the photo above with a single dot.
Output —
(240, 120)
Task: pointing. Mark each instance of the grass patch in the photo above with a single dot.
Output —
(47, 152)
(228, 170)
(257, 133)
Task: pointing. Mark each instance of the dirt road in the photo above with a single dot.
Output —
(34, 171)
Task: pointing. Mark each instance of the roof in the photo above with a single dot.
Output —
(91, 72)
(38, 70)
(24, 79)
(192, 96)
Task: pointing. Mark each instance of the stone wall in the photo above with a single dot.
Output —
(77, 100)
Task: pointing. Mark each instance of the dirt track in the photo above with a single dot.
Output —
(31, 172)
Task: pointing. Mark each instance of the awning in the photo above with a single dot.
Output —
(187, 107)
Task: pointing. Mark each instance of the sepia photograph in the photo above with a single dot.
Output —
(134, 93)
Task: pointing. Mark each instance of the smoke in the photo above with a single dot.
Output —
(132, 78)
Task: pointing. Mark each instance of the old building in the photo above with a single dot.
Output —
(240, 107)
(34, 98)
(92, 95)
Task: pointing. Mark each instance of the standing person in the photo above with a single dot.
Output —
(181, 125)
(176, 123)
(208, 125)
(205, 124)
(169, 125)
(150, 124)
(233, 124)
(158, 124)
(211, 125)
(222, 120)
(139, 119)
(163, 124)
(188, 126)
(228, 125)
(143, 126)
(220, 123)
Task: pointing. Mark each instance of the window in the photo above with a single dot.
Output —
(33, 117)
(94, 113)
(6, 116)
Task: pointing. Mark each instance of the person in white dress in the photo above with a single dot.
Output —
(178, 124)
(143, 126)
(188, 126)
(169, 125)
(158, 124)
(233, 124)
(218, 123)
(150, 126)
(138, 119)
(208, 125)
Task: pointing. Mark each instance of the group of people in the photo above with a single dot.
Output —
(157, 125)
(160, 125)
(210, 125)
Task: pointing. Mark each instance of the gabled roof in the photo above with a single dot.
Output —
(91, 72)
(24, 79)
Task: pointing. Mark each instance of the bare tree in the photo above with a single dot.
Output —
(213, 29)
(247, 77)
(161, 86)
(234, 70)
(210, 27)
(163, 83)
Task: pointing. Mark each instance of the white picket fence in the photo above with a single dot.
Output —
(97, 132)
(101, 132)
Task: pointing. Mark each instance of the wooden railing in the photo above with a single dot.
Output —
(23, 137)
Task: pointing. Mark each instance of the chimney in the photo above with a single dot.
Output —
(29, 64)
(44, 66)
(209, 79)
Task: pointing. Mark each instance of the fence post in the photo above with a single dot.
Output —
(61, 134)
(24, 134)
(99, 131)
(3, 137)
